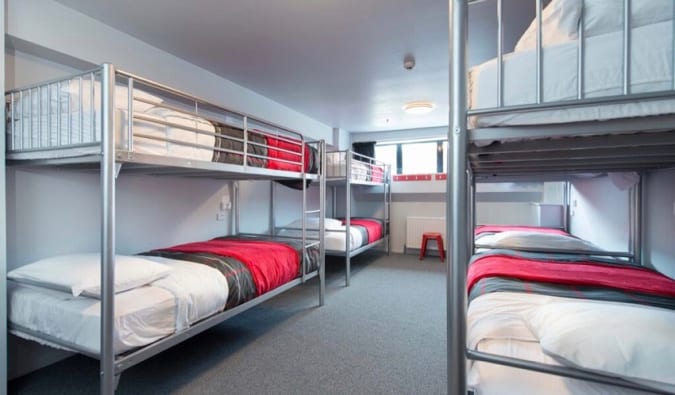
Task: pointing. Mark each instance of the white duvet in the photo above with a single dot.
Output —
(143, 315)
(546, 329)
(335, 238)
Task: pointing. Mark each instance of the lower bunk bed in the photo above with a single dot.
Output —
(364, 234)
(162, 296)
(567, 310)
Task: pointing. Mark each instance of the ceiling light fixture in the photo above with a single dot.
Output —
(418, 107)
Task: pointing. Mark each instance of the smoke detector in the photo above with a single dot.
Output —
(409, 62)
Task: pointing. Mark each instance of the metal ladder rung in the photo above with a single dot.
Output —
(313, 244)
(312, 211)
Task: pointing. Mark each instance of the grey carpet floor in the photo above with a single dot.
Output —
(384, 334)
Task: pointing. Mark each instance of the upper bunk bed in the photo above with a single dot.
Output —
(589, 88)
(593, 91)
(350, 170)
(116, 123)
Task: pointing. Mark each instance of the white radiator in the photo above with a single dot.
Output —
(415, 226)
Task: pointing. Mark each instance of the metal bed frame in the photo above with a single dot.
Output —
(615, 145)
(349, 181)
(107, 153)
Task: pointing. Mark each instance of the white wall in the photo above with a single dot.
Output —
(660, 221)
(599, 213)
(50, 29)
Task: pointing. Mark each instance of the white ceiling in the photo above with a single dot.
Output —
(340, 62)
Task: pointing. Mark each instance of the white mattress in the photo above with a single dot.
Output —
(496, 323)
(143, 315)
(335, 239)
(651, 70)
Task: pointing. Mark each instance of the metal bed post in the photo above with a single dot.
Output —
(348, 216)
(626, 46)
(304, 222)
(567, 197)
(130, 115)
(456, 206)
(322, 224)
(636, 230)
(500, 54)
(471, 189)
(236, 205)
(540, 84)
(272, 222)
(642, 225)
(387, 207)
(581, 56)
(108, 379)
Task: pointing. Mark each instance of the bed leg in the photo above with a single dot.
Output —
(348, 274)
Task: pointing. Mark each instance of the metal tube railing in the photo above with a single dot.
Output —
(581, 56)
(626, 46)
(500, 54)
(540, 61)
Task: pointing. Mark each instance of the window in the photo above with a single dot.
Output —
(387, 154)
(419, 158)
(414, 157)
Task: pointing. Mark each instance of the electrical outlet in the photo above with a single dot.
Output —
(221, 216)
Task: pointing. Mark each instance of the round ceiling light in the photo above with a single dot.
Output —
(418, 107)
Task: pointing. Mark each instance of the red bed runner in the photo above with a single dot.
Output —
(503, 228)
(576, 273)
(271, 264)
(373, 227)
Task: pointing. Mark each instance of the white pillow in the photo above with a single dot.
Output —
(559, 24)
(313, 223)
(525, 239)
(604, 16)
(80, 274)
(627, 340)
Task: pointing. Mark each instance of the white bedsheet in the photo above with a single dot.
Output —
(143, 315)
(651, 70)
(497, 322)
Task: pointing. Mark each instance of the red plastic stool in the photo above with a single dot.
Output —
(426, 236)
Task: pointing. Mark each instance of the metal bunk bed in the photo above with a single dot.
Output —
(96, 139)
(527, 151)
(348, 175)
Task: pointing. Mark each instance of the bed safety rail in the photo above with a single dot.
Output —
(63, 119)
(581, 98)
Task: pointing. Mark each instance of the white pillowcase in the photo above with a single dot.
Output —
(605, 16)
(559, 24)
(524, 239)
(80, 274)
(630, 341)
(313, 223)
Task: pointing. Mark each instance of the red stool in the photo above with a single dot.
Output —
(426, 236)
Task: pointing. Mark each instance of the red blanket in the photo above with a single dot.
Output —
(373, 227)
(376, 173)
(503, 228)
(288, 145)
(271, 264)
(576, 273)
